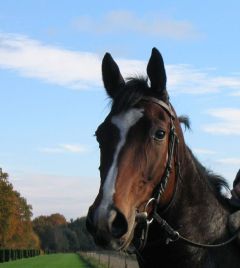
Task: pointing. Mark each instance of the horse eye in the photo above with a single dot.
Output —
(159, 134)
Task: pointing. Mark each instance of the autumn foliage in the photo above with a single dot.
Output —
(16, 230)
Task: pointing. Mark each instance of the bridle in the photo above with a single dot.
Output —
(144, 218)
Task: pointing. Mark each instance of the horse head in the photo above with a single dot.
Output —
(134, 142)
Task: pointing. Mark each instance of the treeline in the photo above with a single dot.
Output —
(16, 231)
(58, 235)
(50, 233)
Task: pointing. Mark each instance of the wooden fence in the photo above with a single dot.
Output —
(110, 259)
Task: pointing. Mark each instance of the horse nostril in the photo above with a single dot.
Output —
(118, 225)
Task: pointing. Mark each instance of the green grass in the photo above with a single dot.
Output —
(67, 260)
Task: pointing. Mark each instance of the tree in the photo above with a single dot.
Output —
(15, 218)
(6, 209)
(58, 235)
(57, 219)
(50, 230)
(72, 239)
(84, 238)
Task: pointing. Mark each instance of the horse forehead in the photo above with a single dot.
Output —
(125, 120)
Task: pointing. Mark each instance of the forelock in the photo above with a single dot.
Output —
(128, 96)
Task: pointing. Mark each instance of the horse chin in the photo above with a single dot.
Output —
(123, 243)
(108, 243)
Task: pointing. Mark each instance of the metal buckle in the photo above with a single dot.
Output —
(144, 235)
(151, 200)
(173, 239)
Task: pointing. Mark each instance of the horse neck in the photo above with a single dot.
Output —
(199, 204)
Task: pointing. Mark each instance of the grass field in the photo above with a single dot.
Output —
(68, 260)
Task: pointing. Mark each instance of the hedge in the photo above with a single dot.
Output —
(15, 254)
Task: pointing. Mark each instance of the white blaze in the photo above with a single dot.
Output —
(123, 122)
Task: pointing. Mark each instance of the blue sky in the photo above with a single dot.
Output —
(52, 97)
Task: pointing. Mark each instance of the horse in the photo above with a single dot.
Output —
(155, 196)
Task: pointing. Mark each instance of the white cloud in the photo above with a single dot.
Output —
(65, 148)
(74, 148)
(236, 94)
(229, 124)
(203, 151)
(228, 114)
(82, 70)
(229, 161)
(116, 22)
(189, 80)
(50, 64)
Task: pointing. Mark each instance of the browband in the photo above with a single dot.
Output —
(163, 104)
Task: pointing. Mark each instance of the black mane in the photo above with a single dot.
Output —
(183, 119)
(216, 182)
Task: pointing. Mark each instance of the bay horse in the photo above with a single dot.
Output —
(154, 193)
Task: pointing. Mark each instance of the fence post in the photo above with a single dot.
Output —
(125, 259)
(108, 260)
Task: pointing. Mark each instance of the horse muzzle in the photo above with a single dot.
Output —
(107, 226)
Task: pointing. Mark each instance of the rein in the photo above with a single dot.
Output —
(143, 217)
(174, 235)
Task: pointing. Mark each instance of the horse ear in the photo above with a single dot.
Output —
(156, 73)
(111, 75)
